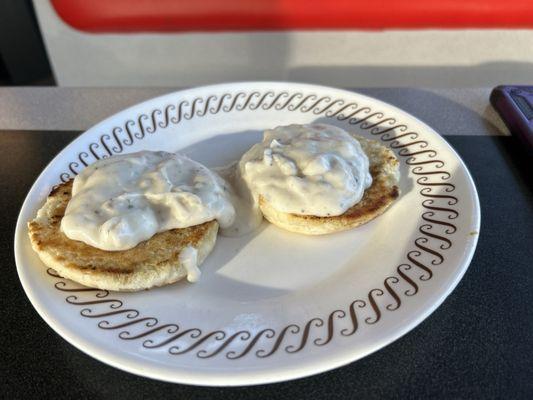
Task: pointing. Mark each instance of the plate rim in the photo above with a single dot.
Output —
(311, 367)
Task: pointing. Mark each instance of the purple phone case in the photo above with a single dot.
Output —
(515, 106)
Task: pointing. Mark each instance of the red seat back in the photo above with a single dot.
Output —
(238, 15)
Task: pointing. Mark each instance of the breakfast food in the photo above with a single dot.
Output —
(318, 179)
(132, 222)
(135, 221)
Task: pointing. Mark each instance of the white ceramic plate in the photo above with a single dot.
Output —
(274, 305)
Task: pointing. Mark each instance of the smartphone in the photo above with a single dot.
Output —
(515, 106)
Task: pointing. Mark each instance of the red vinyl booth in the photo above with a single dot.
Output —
(248, 15)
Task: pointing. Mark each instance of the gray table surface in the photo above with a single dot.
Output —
(450, 111)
